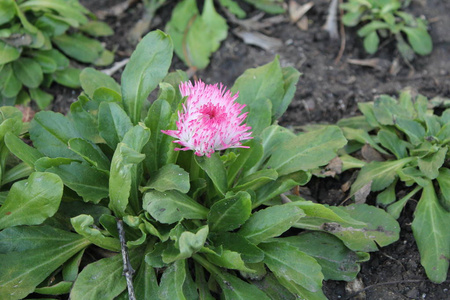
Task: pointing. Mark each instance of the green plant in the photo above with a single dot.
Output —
(412, 144)
(36, 37)
(384, 18)
(196, 36)
(195, 226)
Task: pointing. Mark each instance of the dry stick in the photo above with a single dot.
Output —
(342, 31)
(127, 268)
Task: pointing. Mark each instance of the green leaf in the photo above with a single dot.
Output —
(97, 28)
(288, 262)
(62, 62)
(34, 253)
(84, 119)
(393, 143)
(270, 222)
(7, 12)
(19, 148)
(42, 98)
(273, 288)
(28, 72)
(382, 174)
(71, 267)
(371, 42)
(269, 6)
(172, 206)
(50, 133)
(83, 226)
(8, 53)
(230, 260)
(31, 201)
(124, 179)
(387, 196)
(92, 79)
(62, 287)
(336, 260)
(237, 243)
(290, 78)
(414, 130)
(371, 27)
(419, 39)
(256, 180)
(69, 77)
(148, 65)
(79, 47)
(307, 151)
(187, 244)
(47, 64)
(380, 229)
(109, 281)
(246, 159)
(72, 11)
(230, 213)
(169, 177)
(90, 152)
(215, 169)
(113, 123)
(234, 288)
(432, 235)
(173, 281)
(444, 184)
(9, 84)
(430, 164)
(234, 8)
(145, 282)
(86, 181)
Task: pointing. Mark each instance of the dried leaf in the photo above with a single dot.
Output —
(361, 194)
(297, 11)
(376, 63)
(258, 39)
(303, 24)
(355, 289)
(27, 113)
(334, 167)
(369, 154)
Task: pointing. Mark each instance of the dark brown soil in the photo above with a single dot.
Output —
(327, 91)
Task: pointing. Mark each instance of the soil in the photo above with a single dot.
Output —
(327, 91)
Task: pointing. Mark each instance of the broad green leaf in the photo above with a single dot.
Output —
(7, 53)
(9, 84)
(124, 178)
(148, 65)
(286, 261)
(35, 252)
(172, 206)
(432, 235)
(290, 78)
(104, 94)
(234, 288)
(19, 148)
(256, 180)
(336, 260)
(79, 47)
(92, 79)
(108, 277)
(396, 208)
(382, 174)
(419, 39)
(300, 291)
(85, 120)
(372, 27)
(62, 62)
(90, 152)
(361, 136)
(31, 201)
(414, 130)
(270, 222)
(62, 287)
(230, 260)
(246, 159)
(234, 8)
(86, 181)
(307, 151)
(430, 164)
(187, 244)
(393, 143)
(113, 123)
(230, 213)
(51, 25)
(28, 72)
(42, 99)
(50, 133)
(380, 229)
(273, 288)
(145, 282)
(387, 110)
(371, 42)
(7, 12)
(237, 243)
(72, 11)
(82, 224)
(97, 28)
(387, 196)
(47, 64)
(69, 77)
(169, 177)
(173, 281)
(71, 267)
(444, 184)
(215, 169)
(19, 171)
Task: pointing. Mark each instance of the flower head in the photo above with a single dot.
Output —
(211, 119)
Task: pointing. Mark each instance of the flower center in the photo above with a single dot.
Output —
(210, 111)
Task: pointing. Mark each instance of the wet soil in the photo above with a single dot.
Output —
(327, 91)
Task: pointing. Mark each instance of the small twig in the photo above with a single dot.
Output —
(342, 32)
(127, 268)
(117, 66)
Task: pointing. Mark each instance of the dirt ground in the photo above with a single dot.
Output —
(327, 91)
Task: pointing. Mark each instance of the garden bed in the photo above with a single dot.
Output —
(327, 91)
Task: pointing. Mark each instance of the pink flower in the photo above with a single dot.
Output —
(211, 119)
